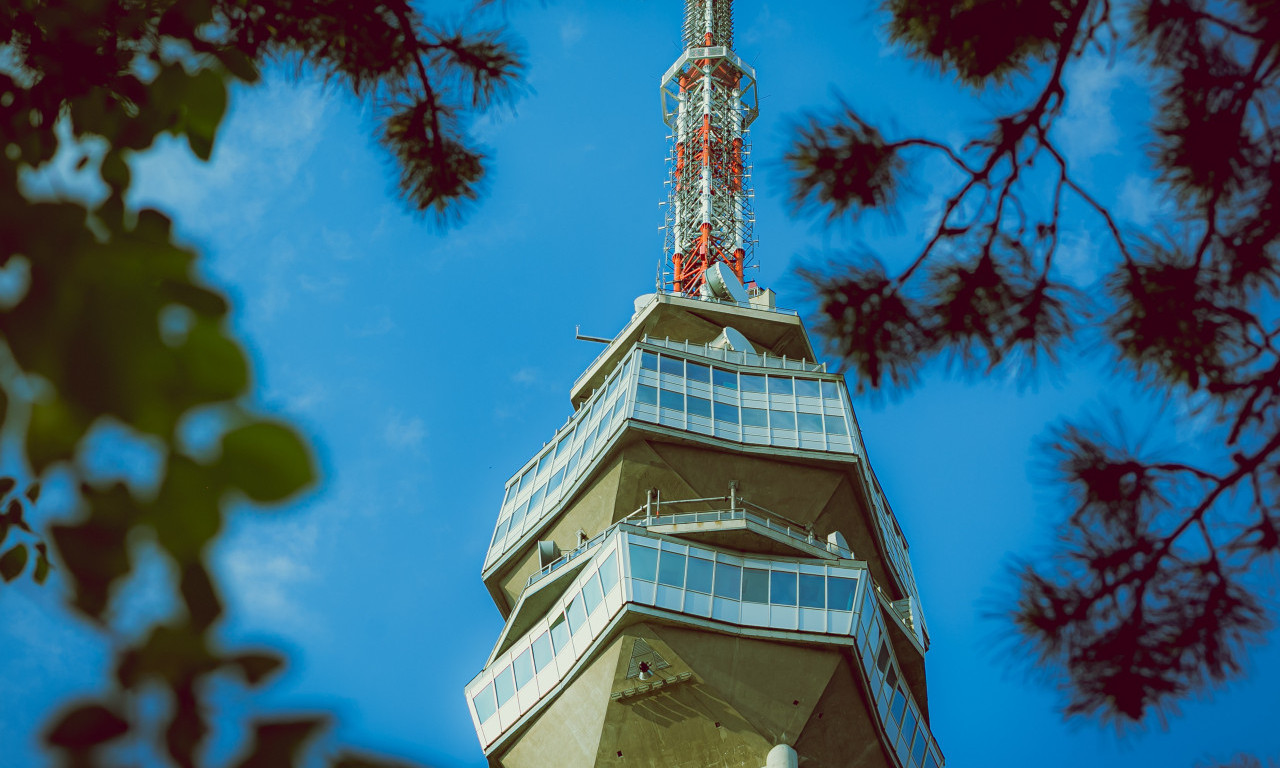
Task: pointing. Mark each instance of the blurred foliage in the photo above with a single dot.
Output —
(1152, 593)
(105, 320)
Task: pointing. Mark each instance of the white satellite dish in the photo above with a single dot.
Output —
(732, 338)
(724, 284)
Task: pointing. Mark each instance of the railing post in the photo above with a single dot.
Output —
(648, 505)
(733, 495)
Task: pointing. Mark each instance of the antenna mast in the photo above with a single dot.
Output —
(708, 101)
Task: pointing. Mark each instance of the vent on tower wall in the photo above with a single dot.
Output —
(644, 660)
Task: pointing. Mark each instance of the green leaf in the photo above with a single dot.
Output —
(52, 434)
(13, 561)
(279, 743)
(199, 595)
(14, 515)
(186, 514)
(41, 572)
(86, 726)
(33, 492)
(7, 484)
(266, 460)
(205, 103)
(257, 667)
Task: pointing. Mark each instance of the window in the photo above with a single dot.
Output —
(728, 581)
(524, 481)
(899, 703)
(609, 572)
(501, 532)
(671, 569)
(882, 660)
(537, 496)
(504, 685)
(518, 517)
(671, 365)
(835, 425)
(644, 563)
(783, 419)
(591, 593)
(560, 634)
(829, 390)
(698, 371)
(523, 667)
(809, 422)
(577, 616)
(545, 462)
(723, 378)
(699, 407)
(807, 388)
(780, 385)
(555, 481)
(672, 400)
(909, 725)
(752, 382)
(755, 417)
(840, 593)
(649, 361)
(813, 591)
(700, 572)
(613, 387)
(542, 653)
(646, 394)
(484, 703)
(561, 446)
(727, 413)
(782, 588)
(755, 585)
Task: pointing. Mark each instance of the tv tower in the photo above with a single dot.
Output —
(700, 569)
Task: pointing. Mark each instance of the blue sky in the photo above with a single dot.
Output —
(428, 366)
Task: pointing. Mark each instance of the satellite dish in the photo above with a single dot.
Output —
(731, 338)
(724, 284)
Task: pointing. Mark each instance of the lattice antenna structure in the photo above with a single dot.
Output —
(708, 101)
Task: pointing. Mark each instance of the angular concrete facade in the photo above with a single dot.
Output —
(699, 569)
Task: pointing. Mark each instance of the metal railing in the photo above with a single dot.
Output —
(763, 360)
(564, 560)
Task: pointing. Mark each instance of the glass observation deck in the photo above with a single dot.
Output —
(739, 397)
(631, 570)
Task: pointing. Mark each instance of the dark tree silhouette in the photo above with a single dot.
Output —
(87, 336)
(1148, 596)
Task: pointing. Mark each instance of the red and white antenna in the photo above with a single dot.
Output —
(708, 101)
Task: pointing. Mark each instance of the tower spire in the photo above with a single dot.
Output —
(708, 101)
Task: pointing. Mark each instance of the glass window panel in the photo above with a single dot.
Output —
(577, 616)
(644, 563)
(698, 372)
(755, 417)
(752, 382)
(699, 407)
(840, 593)
(592, 594)
(728, 581)
(899, 703)
(501, 532)
(589, 443)
(807, 388)
(781, 385)
(573, 463)
(882, 660)
(829, 390)
(525, 479)
(809, 422)
(727, 413)
(909, 725)
(835, 425)
(671, 569)
(672, 365)
(930, 761)
(782, 588)
(560, 634)
(556, 480)
(813, 591)
(542, 653)
(561, 446)
(755, 585)
(484, 703)
(504, 685)
(646, 394)
(722, 378)
(699, 575)
(523, 666)
(537, 496)
(649, 361)
(518, 517)
(609, 572)
(891, 679)
(783, 419)
(613, 387)
(545, 462)
(673, 400)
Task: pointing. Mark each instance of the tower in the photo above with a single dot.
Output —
(700, 568)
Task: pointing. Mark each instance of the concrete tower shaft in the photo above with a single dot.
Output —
(708, 101)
